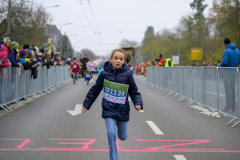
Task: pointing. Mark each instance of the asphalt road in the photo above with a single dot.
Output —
(166, 130)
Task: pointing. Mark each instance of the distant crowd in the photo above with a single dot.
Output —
(28, 57)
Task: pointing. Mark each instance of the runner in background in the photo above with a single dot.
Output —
(100, 69)
(84, 65)
(75, 67)
(91, 65)
(79, 73)
(118, 84)
(88, 76)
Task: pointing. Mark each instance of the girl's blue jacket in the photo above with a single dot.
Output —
(109, 109)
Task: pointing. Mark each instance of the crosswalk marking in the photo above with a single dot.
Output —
(154, 127)
(180, 157)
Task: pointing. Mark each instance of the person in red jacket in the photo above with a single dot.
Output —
(5, 50)
(75, 67)
(161, 61)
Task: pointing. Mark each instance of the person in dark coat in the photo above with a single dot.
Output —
(118, 84)
(84, 65)
(13, 56)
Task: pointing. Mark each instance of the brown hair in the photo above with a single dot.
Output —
(127, 56)
(8, 44)
(47, 57)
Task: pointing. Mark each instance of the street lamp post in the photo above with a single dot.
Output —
(60, 37)
(43, 46)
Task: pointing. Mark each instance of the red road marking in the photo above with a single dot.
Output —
(87, 142)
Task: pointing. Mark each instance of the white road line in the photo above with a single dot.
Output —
(154, 127)
(180, 157)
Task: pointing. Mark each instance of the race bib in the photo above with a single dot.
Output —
(115, 92)
(74, 66)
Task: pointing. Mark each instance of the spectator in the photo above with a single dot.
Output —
(169, 62)
(161, 61)
(231, 58)
(56, 57)
(68, 61)
(23, 59)
(13, 56)
(6, 48)
(49, 61)
(26, 46)
(40, 61)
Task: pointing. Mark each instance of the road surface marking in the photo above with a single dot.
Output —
(180, 157)
(154, 127)
(76, 111)
(204, 111)
(141, 111)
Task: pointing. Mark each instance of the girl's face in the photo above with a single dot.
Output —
(91, 59)
(117, 60)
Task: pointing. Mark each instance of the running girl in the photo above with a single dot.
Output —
(118, 84)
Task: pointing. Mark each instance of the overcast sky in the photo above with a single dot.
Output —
(115, 19)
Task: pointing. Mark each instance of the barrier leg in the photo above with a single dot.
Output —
(18, 102)
(180, 97)
(157, 87)
(212, 112)
(46, 91)
(216, 115)
(235, 124)
(7, 107)
(3, 108)
(27, 98)
(231, 121)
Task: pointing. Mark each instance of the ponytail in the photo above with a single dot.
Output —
(127, 55)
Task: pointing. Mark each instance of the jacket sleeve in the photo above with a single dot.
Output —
(94, 92)
(6, 64)
(225, 59)
(133, 92)
(44, 63)
(29, 65)
(238, 57)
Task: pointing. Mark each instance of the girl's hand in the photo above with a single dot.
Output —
(84, 109)
(138, 107)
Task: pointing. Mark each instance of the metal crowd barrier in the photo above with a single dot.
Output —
(16, 84)
(214, 88)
